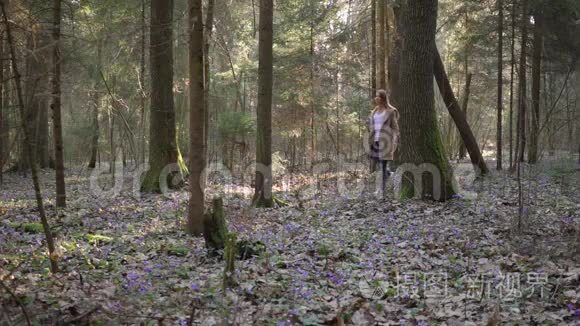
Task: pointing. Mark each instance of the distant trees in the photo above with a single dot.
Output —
(30, 154)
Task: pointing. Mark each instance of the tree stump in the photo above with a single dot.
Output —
(215, 229)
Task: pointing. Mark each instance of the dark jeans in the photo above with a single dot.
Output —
(385, 164)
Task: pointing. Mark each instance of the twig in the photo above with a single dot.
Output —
(24, 312)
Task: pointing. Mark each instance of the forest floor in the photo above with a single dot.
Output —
(335, 255)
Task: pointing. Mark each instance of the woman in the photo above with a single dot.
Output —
(384, 133)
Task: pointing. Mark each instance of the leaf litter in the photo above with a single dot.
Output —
(332, 256)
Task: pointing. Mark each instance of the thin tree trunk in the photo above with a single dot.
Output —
(466, 91)
(536, 86)
(196, 118)
(30, 154)
(458, 116)
(313, 148)
(96, 102)
(208, 34)
(499, 132)
(512, 74)
(263, 182)
(56, 109)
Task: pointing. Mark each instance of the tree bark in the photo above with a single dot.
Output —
(163, 149)
(522, 88)
(420, 137)
(142, 80)
(28, 148)
(512, 74)
(499, 131)
(373, 48)
(208, 34)
(458, 116)
(381, 73)
(196, 118)
(3, 130)
(263, 182)
(96, 104)
(466, 91)
(56, 109)
(536, 86)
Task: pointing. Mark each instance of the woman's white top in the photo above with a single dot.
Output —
(379, 119)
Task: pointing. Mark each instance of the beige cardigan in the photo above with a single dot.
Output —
(389, 137)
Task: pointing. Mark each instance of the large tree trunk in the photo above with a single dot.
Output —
(263, 182)
(196, 118)
(420, 137)
(3, 130)
(143, 95)
(499, 132)
(28, 148)
(381, 73)
(458, 116)
(163, 150)
(522, 88)
(56, 112)
(536, 86)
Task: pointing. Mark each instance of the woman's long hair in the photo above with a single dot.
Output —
(383, 95)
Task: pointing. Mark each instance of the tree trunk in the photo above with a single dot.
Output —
(28, 148)
(536, 86)
(499, 132)
(420, 137)
(512, 73)
(313, 147)
(56, 109)
(196, 118)
(142, 80)
(96, 103)
(3, 130)
(163, 150)
(522, 88)
(381, 73)
(466, 91)
(263, 182)
(373, 48)
(458, 116)
(208, 34)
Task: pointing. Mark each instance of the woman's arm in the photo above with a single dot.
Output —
(395, 125)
